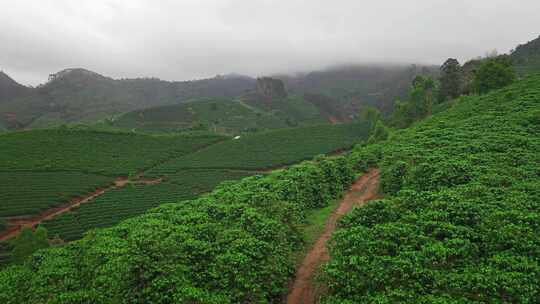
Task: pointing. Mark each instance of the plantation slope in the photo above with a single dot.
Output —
(270, 149)
(233, 245)
(44, 169)
(460, 222)
(122, 203)
(106, 153)
(223, 115)
(28, 193)
(16, 224)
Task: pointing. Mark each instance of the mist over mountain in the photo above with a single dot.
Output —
(181, 40)
(80, 95)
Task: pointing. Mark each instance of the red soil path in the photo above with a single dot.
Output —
(303, 290)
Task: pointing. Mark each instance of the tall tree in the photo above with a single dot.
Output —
(450, 79)
(494, 73)
(27, 242)
(370, 115)
(422, 95)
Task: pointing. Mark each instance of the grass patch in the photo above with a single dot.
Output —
(315, 222)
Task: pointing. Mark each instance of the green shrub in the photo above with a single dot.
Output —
(494, 73)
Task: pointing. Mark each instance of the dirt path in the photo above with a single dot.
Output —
(16, 225)
(303, 290)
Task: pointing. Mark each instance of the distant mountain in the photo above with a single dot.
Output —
(75, 95)
(526, 57)
(79, 95)
(10, 89)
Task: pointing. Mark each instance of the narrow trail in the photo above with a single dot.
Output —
(303, 290)
(16, 225)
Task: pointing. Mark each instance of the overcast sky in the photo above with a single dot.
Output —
(187, 39)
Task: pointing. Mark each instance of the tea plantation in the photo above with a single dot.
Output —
(107, 153)
(223, 115)
(123, 203)
(270, 149)
(26, 193)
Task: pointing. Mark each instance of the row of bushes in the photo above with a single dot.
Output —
(233, 245)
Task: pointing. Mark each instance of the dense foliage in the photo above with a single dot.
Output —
(493, 73)
(104, 153)
(419, 105)
(234, 245)
(28, 193)
(451, 80)
(270, 149)
(461, 219)
(28, 242)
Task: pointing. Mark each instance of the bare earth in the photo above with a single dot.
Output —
(303, 290)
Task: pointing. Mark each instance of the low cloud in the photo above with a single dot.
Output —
(179, 40)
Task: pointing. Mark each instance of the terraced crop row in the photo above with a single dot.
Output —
(122, 203)
(96, 152)
(269, 149)
(28, 193)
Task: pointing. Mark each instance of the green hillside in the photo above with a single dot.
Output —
(293, 109)
(228, 160)
(270, 149)
(460, 222)
(123, 203)
(107, 153)
(231, 246)
(47, 168)
(222, 115)
(28, 193)
(79, 95)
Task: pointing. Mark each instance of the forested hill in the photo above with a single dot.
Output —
(79, 95)
(76, 95)
(460, 223)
